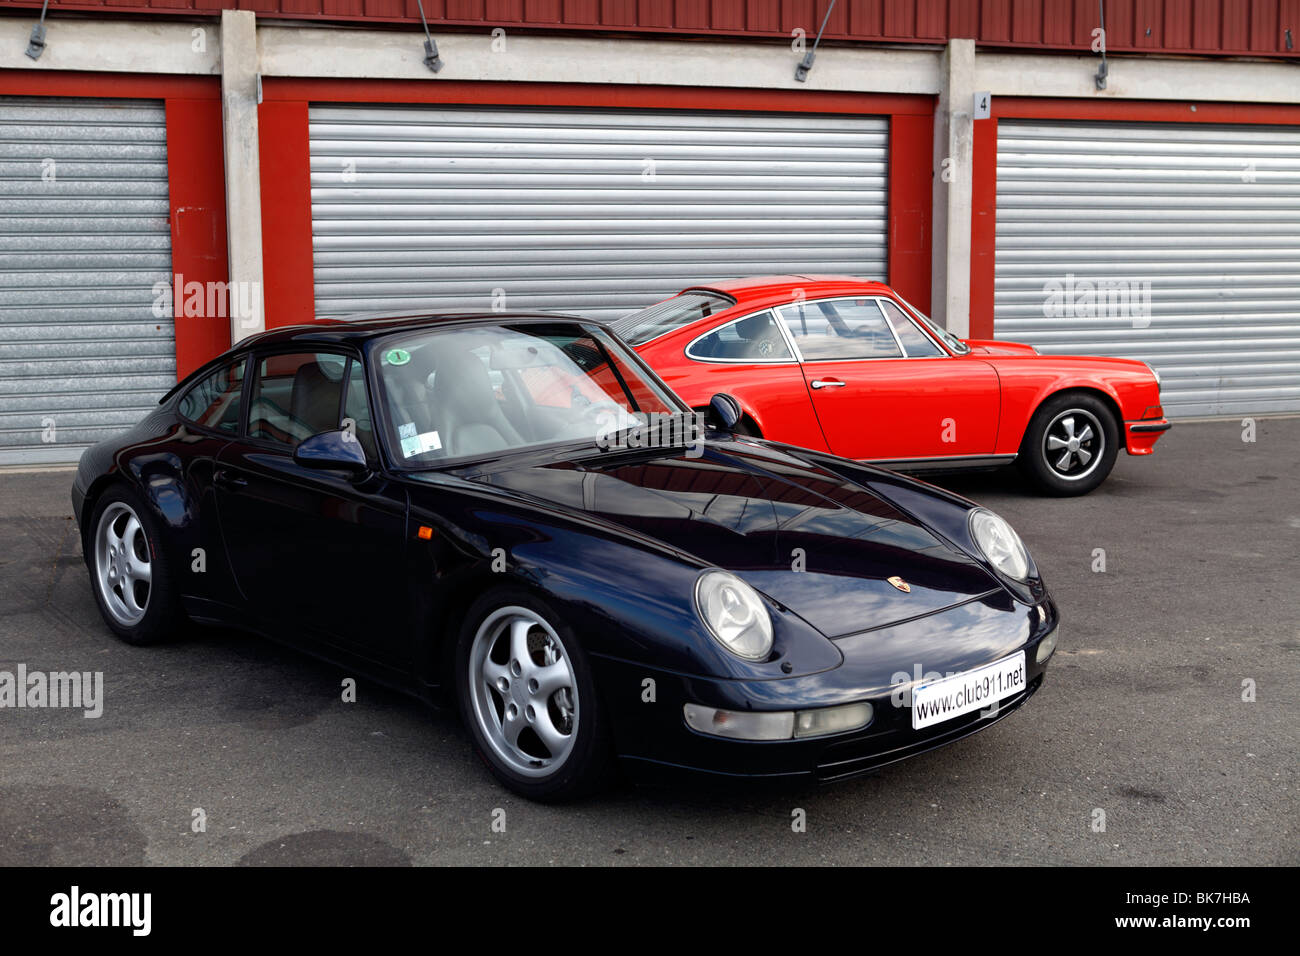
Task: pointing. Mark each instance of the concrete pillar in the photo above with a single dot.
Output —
(954, 154)
(239, 71)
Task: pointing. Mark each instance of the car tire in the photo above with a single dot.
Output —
(547, 743)
(128, 574)
(1070, 445)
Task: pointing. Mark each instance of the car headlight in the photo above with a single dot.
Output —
(1153, 372)
(1000, 544)
(734, 614)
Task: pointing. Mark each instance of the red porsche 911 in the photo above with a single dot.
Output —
(845, 365)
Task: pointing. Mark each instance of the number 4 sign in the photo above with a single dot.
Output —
(982, 106)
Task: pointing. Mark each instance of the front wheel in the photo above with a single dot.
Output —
(1070, 445)
(526, 694)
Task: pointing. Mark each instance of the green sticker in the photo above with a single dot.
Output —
(397, 356)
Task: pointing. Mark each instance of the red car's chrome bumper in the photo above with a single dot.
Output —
(1141, 436)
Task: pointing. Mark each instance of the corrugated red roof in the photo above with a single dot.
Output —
(1224, 27)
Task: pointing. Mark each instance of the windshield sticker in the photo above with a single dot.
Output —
(397, 356)
(413, 444)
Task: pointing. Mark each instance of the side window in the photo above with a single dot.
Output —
(917, 343)
(356, 408)
(755, 338)
(213, 402)
(296, 395)
(840, 329)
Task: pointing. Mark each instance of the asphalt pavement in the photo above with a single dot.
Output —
(1139, 749)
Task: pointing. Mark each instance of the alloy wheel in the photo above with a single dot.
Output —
(123, 569)
(523, 691)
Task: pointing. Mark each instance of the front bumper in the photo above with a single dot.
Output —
(1140, 437)
(653, 740)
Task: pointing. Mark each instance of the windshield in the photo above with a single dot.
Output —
(488, 389)
(660, 319)
(943, 335)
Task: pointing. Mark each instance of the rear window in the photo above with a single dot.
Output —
(213, 401)
(640, 327)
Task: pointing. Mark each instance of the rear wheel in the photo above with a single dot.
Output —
(526, 693)
(130, 580)
(1070, 445)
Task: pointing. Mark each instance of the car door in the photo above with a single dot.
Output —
(314, 552)
(751, 359)
(210, 411)
(879, 400)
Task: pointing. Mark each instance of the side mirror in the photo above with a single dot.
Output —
(336, 450)
(724, 412)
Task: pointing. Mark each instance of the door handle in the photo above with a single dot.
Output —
(226, 480)
(827, 383)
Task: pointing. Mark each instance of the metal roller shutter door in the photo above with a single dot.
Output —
(84, 235)
(1208, 215)
(596, 212)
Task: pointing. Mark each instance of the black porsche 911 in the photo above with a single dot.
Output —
(512, 512)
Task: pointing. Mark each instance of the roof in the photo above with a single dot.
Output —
(364, 326)
(753, 290)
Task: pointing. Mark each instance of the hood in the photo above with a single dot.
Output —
(994, 347)
(817, 544)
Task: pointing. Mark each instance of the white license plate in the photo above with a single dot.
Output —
(962, 693)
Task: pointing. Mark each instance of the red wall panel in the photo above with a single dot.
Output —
(620, 13)
(1119, 25)
(1026, 21)
(1206, 15)
(585, 12)
(995, 21)
(898, 20)
(931, 19)
(655, 13)
(1058, 22)
(1175, 26)
(963, 19)
(1148, 23)
(1235, 25)
(731, 16)
(1263, 26)
(288, 281)
(763, 16)
(837, 24)
(911, 195)
(196, 184)
(543, 11)
(983, 227)
(690, 15)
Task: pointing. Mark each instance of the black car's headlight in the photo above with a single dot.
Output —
(1000, 544)
(734, 614)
